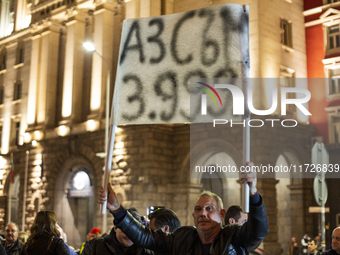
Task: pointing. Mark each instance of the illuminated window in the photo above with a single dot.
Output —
(334, 37)
(17, 91)
(333, 89)
(335, 85)
(286, 33)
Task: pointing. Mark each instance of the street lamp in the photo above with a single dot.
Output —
(90, 47)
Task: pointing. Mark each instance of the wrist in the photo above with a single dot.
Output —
(253, 191)
(115, 210)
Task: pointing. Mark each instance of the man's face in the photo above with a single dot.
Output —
(293, 239)
(336, 240)
(312, 246)
(11, 234)
(122, 238)
(207, 215)
(243, 219)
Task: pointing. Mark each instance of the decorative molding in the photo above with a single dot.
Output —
(287, 48)
(18, 65)
(329, 13)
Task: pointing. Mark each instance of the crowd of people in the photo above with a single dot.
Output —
(312, 246)
(216, 231)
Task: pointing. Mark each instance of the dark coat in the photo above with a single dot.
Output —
(2, 250)
(330, 252)
(231, 240)
(57, 247)
(109, 245)
(16, 249)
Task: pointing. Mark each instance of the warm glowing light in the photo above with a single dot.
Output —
(34, 143)
(38, 135)
(89, 46)
(27, 137)
(67, 97)
(96, 89)
(27, 21)
(32, 88)
(63, 130)
(118, 129)
(80, 180)
(92, 125)
(37, 161)
(69, 72)
(119, 145)
(3, 162)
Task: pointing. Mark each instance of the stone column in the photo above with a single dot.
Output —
(4, 18)
(301, 197)
(20, 12)
(48, 70)
(103, 41)
(73, 72)
(150, 8)
(33, 81)
(267, 188)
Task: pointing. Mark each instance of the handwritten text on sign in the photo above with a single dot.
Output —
(158, 57)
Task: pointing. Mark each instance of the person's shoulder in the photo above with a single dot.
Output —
(20, 244)
(232, 228)
(329, 252)
(100, 240)
(57, 240)
(185, 229)
(185, 232)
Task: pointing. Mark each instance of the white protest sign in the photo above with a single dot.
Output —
(159, 55)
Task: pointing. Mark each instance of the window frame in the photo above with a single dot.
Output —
(17, 95)
(286, 33)
(333, 126)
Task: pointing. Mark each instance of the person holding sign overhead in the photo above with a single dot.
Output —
(208, 236)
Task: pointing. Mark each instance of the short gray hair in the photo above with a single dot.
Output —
(207, 193)
(12, 223)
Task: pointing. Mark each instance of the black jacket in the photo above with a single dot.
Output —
(109, 245)
(2, 250)
(57, 247)
(231, 240)
(16, 249)
(330, 252)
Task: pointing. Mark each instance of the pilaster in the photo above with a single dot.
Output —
(103, 41)
(73, 72)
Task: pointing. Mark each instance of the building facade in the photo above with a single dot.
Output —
(323, 52)
(52, 119)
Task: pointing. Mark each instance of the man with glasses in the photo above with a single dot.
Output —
(12, 245)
